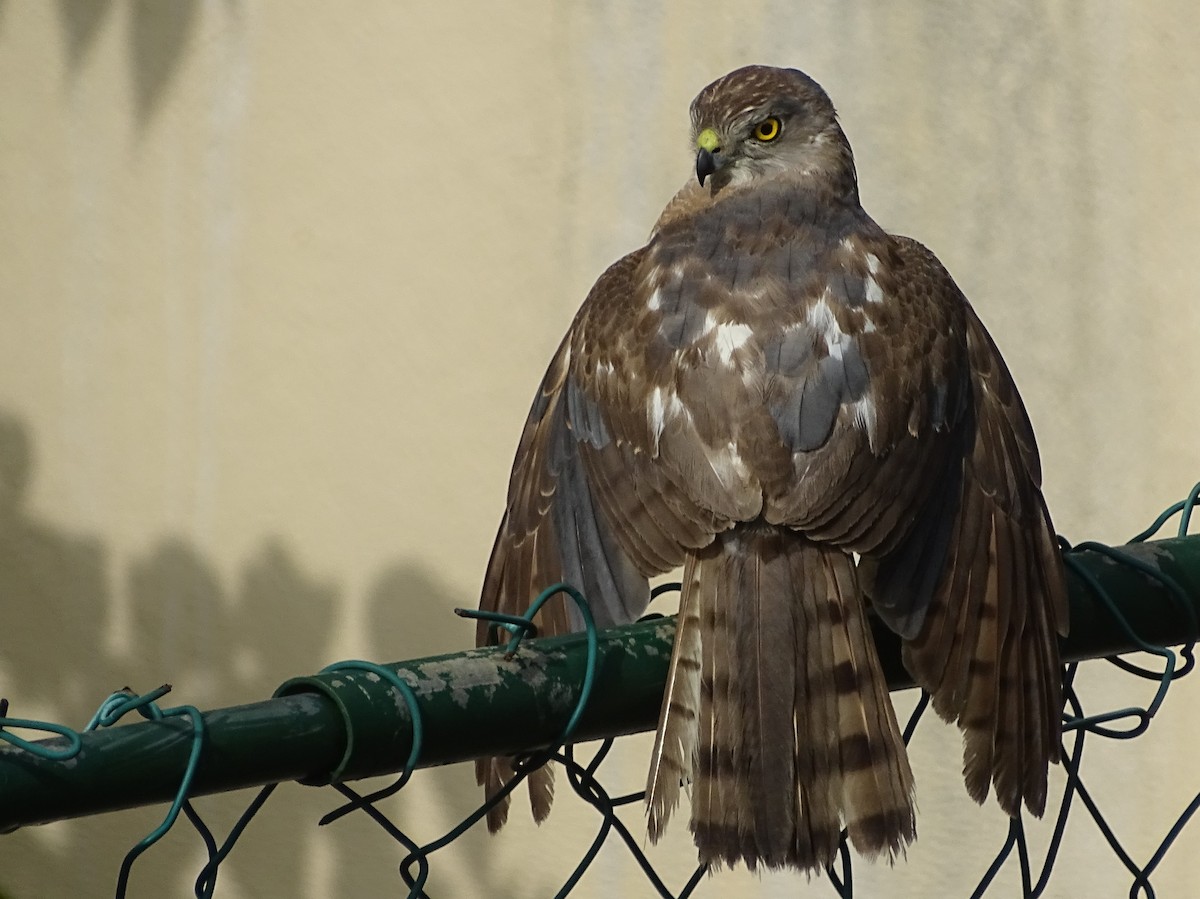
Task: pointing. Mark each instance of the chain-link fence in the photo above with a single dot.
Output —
(357, 719)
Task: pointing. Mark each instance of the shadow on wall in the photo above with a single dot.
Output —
(80, 23)
(409, 608)
(218, 647)
(158, 35)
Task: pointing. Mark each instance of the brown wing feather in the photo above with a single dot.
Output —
(523, 558)
(520, 556)
(574, 512)
(587, 502)
(988, 652)
(877, 473)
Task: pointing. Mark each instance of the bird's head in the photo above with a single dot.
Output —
(759, 122)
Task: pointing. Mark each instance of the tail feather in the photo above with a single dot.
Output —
(818, 771)
(715, 798)
(494, 773)
(673, 760)
(765, 692)
(795, 732)
(878, 784)
(729, 813)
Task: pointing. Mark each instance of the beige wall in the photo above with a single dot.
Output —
(277, 281)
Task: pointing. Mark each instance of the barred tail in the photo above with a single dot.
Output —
(794, 732)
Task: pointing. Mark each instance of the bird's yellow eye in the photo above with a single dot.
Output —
(768, 129)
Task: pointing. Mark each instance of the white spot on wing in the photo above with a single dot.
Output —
(655, 301)
(874, 291)
(864, 416)
(656, 414)
(730, 337)
(710, 323)
(822, 320)
(663, 404)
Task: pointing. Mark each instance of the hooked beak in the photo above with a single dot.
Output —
(708, 144)
(706, 164)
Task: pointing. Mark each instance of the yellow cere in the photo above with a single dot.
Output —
(708, 140)
(767, 129)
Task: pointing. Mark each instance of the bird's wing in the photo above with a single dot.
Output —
(588, 502)
(872, 412)
(983, 643)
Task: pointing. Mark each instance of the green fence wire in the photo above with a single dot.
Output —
(356, 719)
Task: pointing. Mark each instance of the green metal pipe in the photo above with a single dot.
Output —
(137, 764)
(347, 725)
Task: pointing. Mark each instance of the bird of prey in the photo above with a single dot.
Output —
(805, 413)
